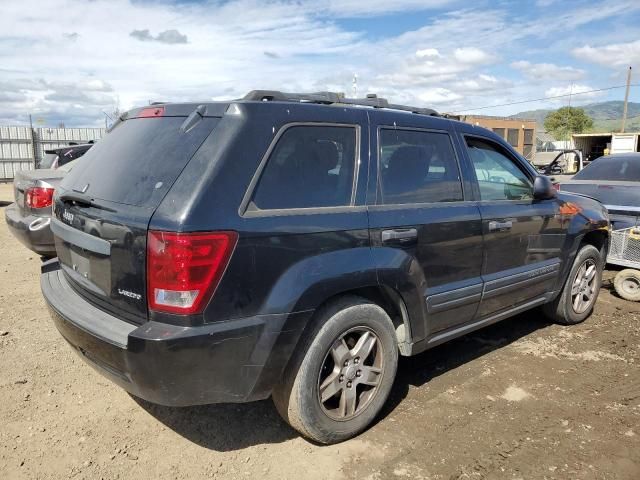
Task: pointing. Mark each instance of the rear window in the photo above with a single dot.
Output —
(418, 167)
(48, 160)
(612, 169)
(138, 161)
(310, 166)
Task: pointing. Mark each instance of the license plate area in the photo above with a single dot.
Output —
(80, 264)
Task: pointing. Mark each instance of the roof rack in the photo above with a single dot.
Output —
(329, 98)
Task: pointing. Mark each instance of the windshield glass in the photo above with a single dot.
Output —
(612, 169)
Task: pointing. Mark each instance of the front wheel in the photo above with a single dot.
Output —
(580, 292)
(339, 380)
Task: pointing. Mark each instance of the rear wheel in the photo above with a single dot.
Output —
(627, 284)
(580, 292)
(339, 380)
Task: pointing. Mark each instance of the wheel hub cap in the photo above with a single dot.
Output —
(583, 288)
(350, 374)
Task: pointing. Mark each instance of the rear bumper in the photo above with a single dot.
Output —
(234, 361)
(33, 232)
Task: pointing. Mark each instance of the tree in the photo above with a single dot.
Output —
(566, 121)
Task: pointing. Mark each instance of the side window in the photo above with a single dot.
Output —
(418, 167)
(498, 176)
(310, 166)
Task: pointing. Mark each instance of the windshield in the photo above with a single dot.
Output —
(623, 169)
(137, 162)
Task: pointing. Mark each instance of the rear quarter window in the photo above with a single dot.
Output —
(309, 167)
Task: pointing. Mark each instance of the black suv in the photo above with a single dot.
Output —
(294, 246)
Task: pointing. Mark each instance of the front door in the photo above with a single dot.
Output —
(523, 237)
(422, 224)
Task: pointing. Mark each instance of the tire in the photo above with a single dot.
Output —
(343, 329)
(627, 284)
(563, 309)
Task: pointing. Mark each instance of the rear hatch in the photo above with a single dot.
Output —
(103, 206)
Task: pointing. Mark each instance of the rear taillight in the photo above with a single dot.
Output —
(556, 186)
(184, 269)
(39, 197)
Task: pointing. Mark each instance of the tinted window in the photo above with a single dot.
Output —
(70, 154)
(612, 168)
(418, 167)
(499, 178)
(138, 161)
(309, 167)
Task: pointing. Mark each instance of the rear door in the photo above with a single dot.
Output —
(523, 237)
(103, 207)
(423, 223)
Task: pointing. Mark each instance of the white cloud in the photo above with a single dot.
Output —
(473, 55)
(428, 53)
(577, 93)
(548, 71)
(614, 55)
(439, 96)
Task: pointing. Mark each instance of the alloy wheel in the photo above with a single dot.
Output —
(583, 288)
(350, 374)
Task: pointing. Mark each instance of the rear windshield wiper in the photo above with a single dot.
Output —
(81, 199)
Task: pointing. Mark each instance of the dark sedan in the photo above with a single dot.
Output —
(58, 157)
(614, 181)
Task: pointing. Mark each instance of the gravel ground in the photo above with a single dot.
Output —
(519, 400)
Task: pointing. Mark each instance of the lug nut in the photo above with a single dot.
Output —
(357, 360)
(359, 373)
(348, 384)
(346, 363)
(341, 378)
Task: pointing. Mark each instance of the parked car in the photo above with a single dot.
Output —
(29, 217)
(294, 246)
(57, 157)
(613, 180)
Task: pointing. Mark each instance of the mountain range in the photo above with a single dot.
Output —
(607, 116)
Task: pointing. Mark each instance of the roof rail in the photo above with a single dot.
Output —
(329, 98)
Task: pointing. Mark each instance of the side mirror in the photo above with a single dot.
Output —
(543, 188)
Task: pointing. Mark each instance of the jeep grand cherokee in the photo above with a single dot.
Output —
(294, 246)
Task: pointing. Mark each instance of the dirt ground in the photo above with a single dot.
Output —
(519, 400)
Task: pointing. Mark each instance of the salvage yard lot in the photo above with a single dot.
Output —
(521, 399)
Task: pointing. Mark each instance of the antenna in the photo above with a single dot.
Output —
(355, 85)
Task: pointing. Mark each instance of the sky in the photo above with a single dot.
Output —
(75, 61)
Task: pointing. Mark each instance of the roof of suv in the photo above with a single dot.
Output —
(268, 96)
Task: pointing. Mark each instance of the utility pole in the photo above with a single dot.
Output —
(33, 143)
(626, 101)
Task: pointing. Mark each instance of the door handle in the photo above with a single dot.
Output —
(399, 235)
(500, 226)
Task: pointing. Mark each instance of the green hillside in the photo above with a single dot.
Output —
(606, 116)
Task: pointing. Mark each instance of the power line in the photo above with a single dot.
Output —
(545, 98)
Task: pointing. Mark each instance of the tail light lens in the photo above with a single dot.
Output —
(184, 269)
(556, 186)
(39, 197)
